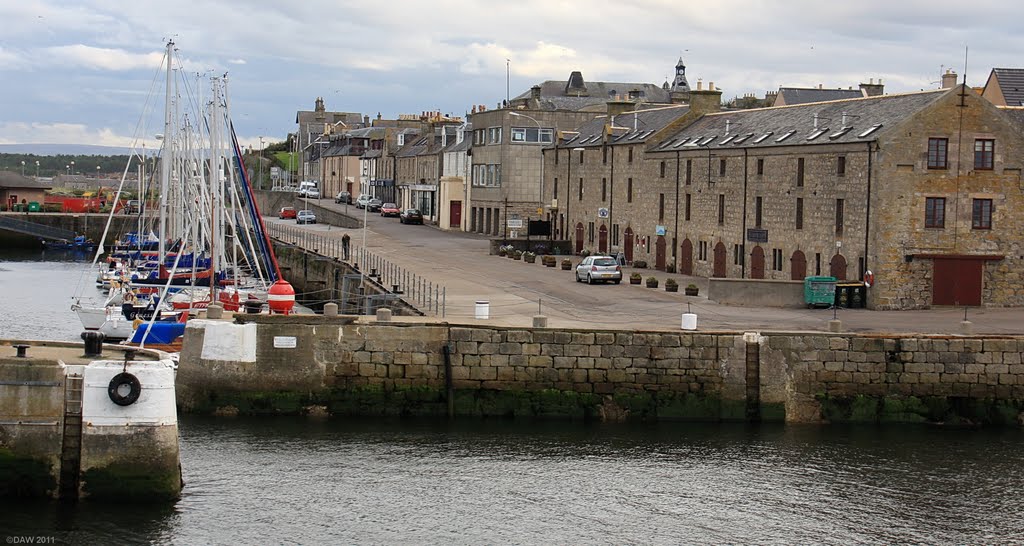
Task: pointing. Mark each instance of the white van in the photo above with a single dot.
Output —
(308, 187)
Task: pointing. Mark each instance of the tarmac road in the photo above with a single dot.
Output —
(516, 291)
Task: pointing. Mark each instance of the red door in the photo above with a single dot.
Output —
(798, 266)
(719, 260)
(455, 214)
(757, 263)
(602, 239)
(837, 267)
(659, 253)
(579, 238)
(686, 257)
(957, 281)
(628, 244)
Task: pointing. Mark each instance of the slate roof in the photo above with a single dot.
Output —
(1016, 115)
(554, 94)
(1011, 84)
(11, 179)
(801, 95)
(646, 122)
(866, 118)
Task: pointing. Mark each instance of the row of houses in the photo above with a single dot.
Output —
(922, 190)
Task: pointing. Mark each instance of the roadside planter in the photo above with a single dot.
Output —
(566, 265)
(691, 290)
(529, 257)
(549, 261)
(671, 285)
(652, 282)
(635, 278)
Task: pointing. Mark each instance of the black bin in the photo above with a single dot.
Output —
(851, 295)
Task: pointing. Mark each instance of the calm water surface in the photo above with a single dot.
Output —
(339, 481)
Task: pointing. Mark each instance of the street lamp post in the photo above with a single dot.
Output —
(72, 167)
(68, 169)
(261, 163)
(37, 168)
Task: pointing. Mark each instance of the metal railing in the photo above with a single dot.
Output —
(37, 230)
(415, 290)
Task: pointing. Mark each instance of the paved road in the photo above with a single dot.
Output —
(516, 291)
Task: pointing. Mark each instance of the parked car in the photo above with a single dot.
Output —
(373, 205)
(362, 201)
(411, 216)
(599, 268)
(343, 197)
(305, 217)
(286, 213)
(133, 207)
(312, 193)
(390, 209)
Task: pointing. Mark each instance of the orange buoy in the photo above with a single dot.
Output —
(281, 297)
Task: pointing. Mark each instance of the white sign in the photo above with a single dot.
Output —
(602, 212)
(515, 223)
(285, 342)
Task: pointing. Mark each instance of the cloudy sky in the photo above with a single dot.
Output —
(80, 72)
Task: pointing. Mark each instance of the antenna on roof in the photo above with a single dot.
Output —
(965, 65)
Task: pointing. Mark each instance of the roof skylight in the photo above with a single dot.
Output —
(762, 138)
(817, 133)
(785, 136)
(708, 140)
(842, 131)
(681, 142)
(742, 138)
(870, 130)
(727, 140)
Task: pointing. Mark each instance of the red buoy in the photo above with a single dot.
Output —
(281, 297)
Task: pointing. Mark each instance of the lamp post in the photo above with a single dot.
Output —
(37, 168)
(261, 163)
(68, 169)
(23, 167)
(72, 167)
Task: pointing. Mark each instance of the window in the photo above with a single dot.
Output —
(799, 213)
(839, 216)
(688, 200)
(555, 189)
(581, 157)
(760, 166)
(581, 189)
(630, 157)
(935, 212)
(777, 259)
(761, 138)
(661, 206)
(494, 135)
(938, 153)
(615, 234)
(817, 263)
(689, 171)
(531, 135)
(800, 172)
(785, 136)
(721, 167)
(721, 208)
(629, 190)
(737, 254)
(817, 133)
(983, 153)
(604, 190)
(841, 165)
(870, 130)
(662, 169)
(702, 251)
(981, 218)
(604, 154)
(758, 202)
(590, 232)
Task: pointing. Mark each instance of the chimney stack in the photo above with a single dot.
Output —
(705, 101)
(619, 106)
(872, 89)
(949, 79)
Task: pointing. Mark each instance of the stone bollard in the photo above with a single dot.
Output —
(383, 314)
(966, 327)
(214, 311)
(330, 309)
(540, 321)
(835, 325)
(482, 310)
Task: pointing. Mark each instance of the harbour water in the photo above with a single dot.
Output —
(336, 481)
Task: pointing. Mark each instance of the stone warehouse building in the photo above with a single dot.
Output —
(923, 189)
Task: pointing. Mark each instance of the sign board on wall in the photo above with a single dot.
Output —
(285, 342)
(757, 235)
(515, 223)
(659, 230)
(602, 212)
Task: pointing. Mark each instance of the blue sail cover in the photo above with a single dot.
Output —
(161, 333)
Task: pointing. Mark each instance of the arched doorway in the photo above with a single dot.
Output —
(579, 238)
(628, 245)
(602, 239)
(719, 269)
(837, 267)
(686, 257)
(757, 263)
(798, 266)
(659, 253)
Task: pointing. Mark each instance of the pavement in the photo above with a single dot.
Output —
(459, 265)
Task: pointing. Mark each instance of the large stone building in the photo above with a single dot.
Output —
(312, 135)
(507, 179)
(923, 189)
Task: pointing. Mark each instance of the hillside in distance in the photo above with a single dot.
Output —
(63, 149)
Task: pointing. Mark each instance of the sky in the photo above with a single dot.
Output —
(81, 71)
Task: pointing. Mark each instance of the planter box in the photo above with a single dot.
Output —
(691, 291)
(566, 265)
(652, 284)
(635, 281)
(671, 287)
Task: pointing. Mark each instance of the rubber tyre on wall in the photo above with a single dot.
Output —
(120, 380)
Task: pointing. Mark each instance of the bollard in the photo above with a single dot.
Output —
(93, 343)
(214, 311)
(689, 321)
(540, 321)
(383, 314)
(331, 309)
(835, 325)
(21, 350)
(483, 310)
(966, 327)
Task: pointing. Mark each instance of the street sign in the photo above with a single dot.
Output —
(659, 230)
(602, 212)
(755, 235)
(515, 223)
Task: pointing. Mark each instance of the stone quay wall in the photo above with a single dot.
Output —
(352, 366)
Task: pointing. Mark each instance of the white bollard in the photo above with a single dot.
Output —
(689, 321)
(483, 310)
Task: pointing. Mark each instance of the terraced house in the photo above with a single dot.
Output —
(923, 189)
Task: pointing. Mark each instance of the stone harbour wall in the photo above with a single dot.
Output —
(362, 367)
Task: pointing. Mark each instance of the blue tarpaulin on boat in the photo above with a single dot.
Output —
(160, 333)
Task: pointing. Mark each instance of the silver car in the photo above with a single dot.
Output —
(599, 268)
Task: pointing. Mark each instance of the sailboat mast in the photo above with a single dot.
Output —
(165, 159)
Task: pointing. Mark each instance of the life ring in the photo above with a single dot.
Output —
(118, 382)
(869, 278)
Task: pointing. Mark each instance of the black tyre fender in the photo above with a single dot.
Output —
(118, 382)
